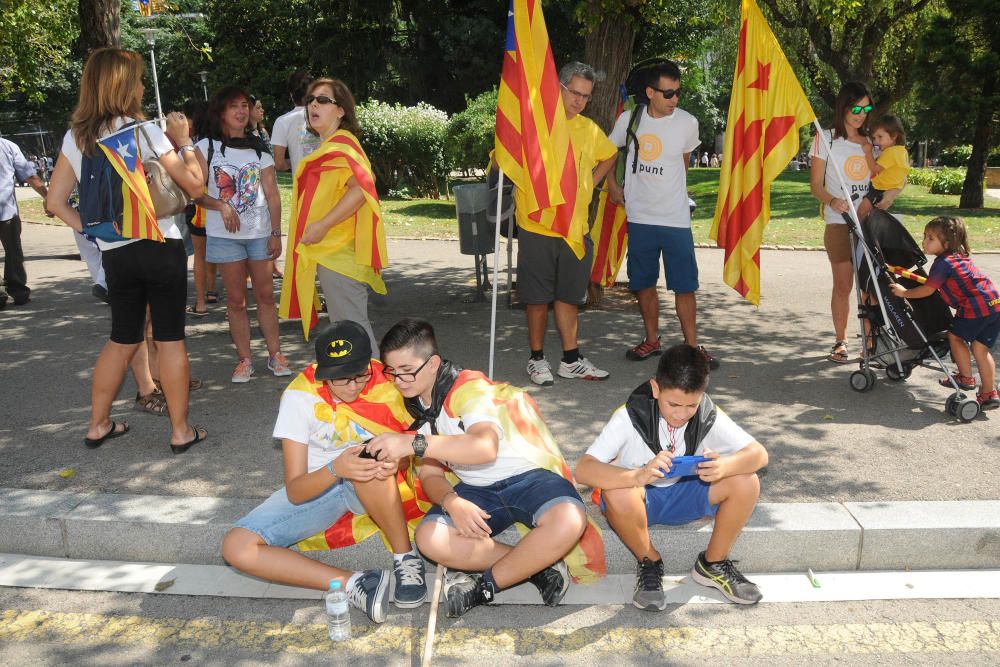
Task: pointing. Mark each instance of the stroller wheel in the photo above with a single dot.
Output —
(862, 381)
(951, 405)
(892, 372)
(968, 410)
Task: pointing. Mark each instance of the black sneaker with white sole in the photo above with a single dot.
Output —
(464, 591)
(648, 594)
(552, 583)
(370, 594)
(725, 577)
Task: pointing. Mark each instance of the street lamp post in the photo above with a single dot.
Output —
(204, 83)
(150, 34)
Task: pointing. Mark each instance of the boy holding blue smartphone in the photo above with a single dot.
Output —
(630, 462)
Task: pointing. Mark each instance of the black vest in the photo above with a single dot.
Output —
(645, 416)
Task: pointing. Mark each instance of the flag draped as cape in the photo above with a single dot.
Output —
(138, 216)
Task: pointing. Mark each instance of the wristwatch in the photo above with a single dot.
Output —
(276, 233)
(419, 444)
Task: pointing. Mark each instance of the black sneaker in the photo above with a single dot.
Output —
(464, 591)
(649, 586)
(724, 576)
(370, 594)
(713, 363)
(552, 583)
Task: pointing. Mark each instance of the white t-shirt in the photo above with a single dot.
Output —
(621, 445)
(290, 130)
(169, 226)
(850, 157)
(235, 176)
(656, 194)
(298, 420)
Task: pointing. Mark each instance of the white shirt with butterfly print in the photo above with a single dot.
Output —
(235, 176)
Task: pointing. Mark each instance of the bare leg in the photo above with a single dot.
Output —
(152, 353)
(140, 370)
(210, 269)
(109, 371)
(960, 355)
(175, 380)
(567, 323)
(649, 308)
(247, 552)
(987, 367)
(381, 500)
(686, 307)
(840, 299)
(200, 271)
(736, 497)
(234, 280)
(267, 312)
(538, 320)
(625, 510)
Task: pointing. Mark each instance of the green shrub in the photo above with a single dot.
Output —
(922, 177)
(956, 156)
(406, 146)
(948, 181)
(470, 132)
(994, 158)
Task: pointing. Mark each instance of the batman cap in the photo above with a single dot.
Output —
(343, 350)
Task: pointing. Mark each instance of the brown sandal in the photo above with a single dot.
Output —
(154, 402)
(838, 353)
(195, 383)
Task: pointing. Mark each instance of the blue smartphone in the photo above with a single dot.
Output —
(684, 466)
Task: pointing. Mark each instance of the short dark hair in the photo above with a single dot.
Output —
(667, 68)
(893, 127)
(682, 367)
(410, 333)
(297, 84)
(850, 93)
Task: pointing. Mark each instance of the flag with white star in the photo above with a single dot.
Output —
(139, 216)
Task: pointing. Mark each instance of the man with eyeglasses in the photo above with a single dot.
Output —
(326, 415)
(659, 150)
(553, 268)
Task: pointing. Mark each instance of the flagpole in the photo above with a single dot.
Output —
(496, 268)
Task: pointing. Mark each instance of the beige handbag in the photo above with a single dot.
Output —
(168, 197)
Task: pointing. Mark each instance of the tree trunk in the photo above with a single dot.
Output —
(100, 26)
(609, 50)
(982, 141)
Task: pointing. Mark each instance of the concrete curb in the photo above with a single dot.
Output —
(780, 537)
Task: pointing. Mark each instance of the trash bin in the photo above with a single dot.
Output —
(475, 233)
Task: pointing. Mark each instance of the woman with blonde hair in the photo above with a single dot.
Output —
(336, 230)
(148, 269)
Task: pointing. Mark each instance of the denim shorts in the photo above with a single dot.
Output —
(281, 523)
(978, 329)
(220, 250)
(522, 498)
(682, 502)
(647, 243)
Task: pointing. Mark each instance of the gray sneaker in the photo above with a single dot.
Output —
(409, 589)
(725, 577)
(649, 586)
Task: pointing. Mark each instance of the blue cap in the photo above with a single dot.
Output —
(335, 584)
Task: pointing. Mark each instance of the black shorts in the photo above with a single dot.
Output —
(146, 273)
(548, 270)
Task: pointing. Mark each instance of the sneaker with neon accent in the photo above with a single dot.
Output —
(552, 583)
(540, 372)
(243, 372)
(370, 594)
(644, 350)
(725, 577)
(409, 589)
(581, 369)
(279, 365)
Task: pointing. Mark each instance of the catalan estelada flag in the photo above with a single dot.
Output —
(766, 109)
(138, 217)
(610, 236)
(354, 247)
(199, 217)
(532, 140)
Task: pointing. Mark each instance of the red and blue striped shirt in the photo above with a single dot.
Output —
(964, 287)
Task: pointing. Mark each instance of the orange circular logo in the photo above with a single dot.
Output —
(855, 168)
(650, 147)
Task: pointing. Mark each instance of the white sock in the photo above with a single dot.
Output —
(353, 580)
(397, 558)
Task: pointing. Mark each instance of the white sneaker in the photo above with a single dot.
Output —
(243, 372)
(581, 369)
(540, 372)
(279, 365)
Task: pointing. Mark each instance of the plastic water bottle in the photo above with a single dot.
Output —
(338, 615)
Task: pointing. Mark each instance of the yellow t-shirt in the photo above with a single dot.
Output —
(895, 163)
(590, 147)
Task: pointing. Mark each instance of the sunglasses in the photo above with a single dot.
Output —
(406, 376)
(858, 109)
(356, 379)
(322, 99)
(583, 97)
(667, 93)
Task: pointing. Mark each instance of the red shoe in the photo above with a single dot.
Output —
(989, 400)
(644, 350)
(963, 382)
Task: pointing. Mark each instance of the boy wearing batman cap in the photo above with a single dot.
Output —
(326, 415)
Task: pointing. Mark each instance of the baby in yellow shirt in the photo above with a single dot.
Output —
(890, 170)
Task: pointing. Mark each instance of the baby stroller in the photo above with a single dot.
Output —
(899, 335)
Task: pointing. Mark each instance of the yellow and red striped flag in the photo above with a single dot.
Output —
(610, 236)
(766, 109)
(138, 216)
(532, 140)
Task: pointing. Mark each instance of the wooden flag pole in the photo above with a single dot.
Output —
(432, 619)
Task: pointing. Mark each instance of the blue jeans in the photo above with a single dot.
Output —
(281, 523)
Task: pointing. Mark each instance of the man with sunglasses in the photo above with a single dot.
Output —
(658, 152)
(326, 415)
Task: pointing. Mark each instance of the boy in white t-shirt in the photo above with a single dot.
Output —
(672, 415)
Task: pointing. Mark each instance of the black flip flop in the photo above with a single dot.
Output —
(110, 435)
(211, 296)
(190, 310)
(198, 437)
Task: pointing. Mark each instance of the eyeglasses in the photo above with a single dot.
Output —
(857, 109)
(356, 379)
(667, 93)
(322, 99)
(582, 97)
(406, 376)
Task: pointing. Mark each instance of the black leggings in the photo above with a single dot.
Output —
(147, 273)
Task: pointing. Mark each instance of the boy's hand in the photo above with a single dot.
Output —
(651, 472)
(387, 469)
(469, 518)
(897, 290)
(350, 466)
(391, 446)
(714, 470)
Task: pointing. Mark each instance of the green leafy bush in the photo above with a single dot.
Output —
(948, 181)
(956, 156)
(922, 177)
(470, 132)
(406, 146)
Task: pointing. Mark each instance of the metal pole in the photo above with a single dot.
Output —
(496, 267)
(150, 34)
(204, 83)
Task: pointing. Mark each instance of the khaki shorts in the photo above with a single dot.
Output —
(837, 241)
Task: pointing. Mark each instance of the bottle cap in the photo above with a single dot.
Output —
(335, 584)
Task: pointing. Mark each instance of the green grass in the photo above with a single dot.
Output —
(794, 213)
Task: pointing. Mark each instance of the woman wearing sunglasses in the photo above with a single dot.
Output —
(336, 231)
(846, 153)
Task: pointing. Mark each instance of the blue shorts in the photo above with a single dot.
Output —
(984, 330)
(221, 250)
(281, 523)
(647, 243)
(682, 502)
(522, 498)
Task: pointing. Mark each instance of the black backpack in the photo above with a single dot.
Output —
(102, 206)
(644, 414)
(635, 88)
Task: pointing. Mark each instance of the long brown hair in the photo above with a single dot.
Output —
(345, 100)
(109, 88)
(217, 106)
(850, 92)
(951, 232)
